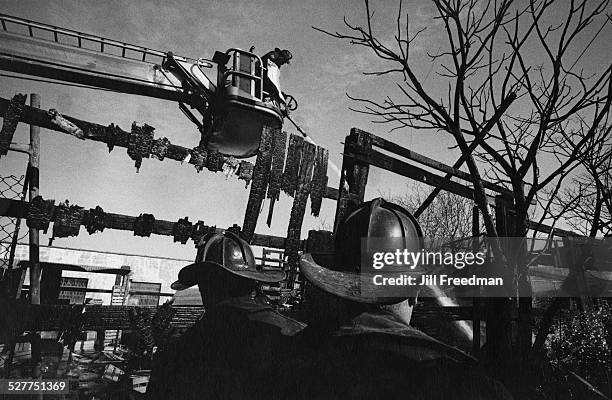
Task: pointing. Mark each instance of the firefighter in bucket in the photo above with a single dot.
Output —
(272, 62)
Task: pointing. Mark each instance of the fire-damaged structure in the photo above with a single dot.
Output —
(325, 333)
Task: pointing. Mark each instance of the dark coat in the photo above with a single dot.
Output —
(377, 356)
(227, 355)
(256, 353)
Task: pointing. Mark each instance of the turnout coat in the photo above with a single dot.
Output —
(377, 356)
(246, 350)
(230, 354)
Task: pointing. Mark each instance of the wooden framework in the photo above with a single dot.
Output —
(361, 150)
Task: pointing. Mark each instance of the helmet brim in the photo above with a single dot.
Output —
(188, 276)
(178, 286)
(357, 287)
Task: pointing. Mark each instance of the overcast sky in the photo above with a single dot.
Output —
(322, 71)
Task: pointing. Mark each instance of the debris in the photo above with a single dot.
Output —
(140, 382)
(141, 321)
(112, 373)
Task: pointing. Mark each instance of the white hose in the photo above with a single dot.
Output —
(333, 166)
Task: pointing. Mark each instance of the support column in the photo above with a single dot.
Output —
(33, 173)
(354, 175)
(35, 272)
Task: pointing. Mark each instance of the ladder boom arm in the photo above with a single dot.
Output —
(75, 57)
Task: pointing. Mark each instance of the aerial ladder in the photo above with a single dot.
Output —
(225, 97)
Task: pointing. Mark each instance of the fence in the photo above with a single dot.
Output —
(11, 187)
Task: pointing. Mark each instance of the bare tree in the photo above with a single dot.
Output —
(586, 205)
(449, 216)
(518, 103)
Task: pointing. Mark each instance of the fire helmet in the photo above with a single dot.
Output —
(376, 221)
(229, 252)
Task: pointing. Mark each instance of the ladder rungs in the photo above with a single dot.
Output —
(104, 43)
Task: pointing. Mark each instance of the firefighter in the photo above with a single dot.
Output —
(278, 57)
(359, 342)
(232, 351)
(272, 61)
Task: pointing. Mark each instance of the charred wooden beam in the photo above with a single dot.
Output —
(319, 180)
(13, 208)
(261, 177)
(543, 228)
(20, 209)
(299, 209)
(431, 163)
(354, 175)
(11, 119)
(279, 142)
(292, 166)
(113, 136)
(378, 159)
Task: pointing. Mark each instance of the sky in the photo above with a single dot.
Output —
(322, 71)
